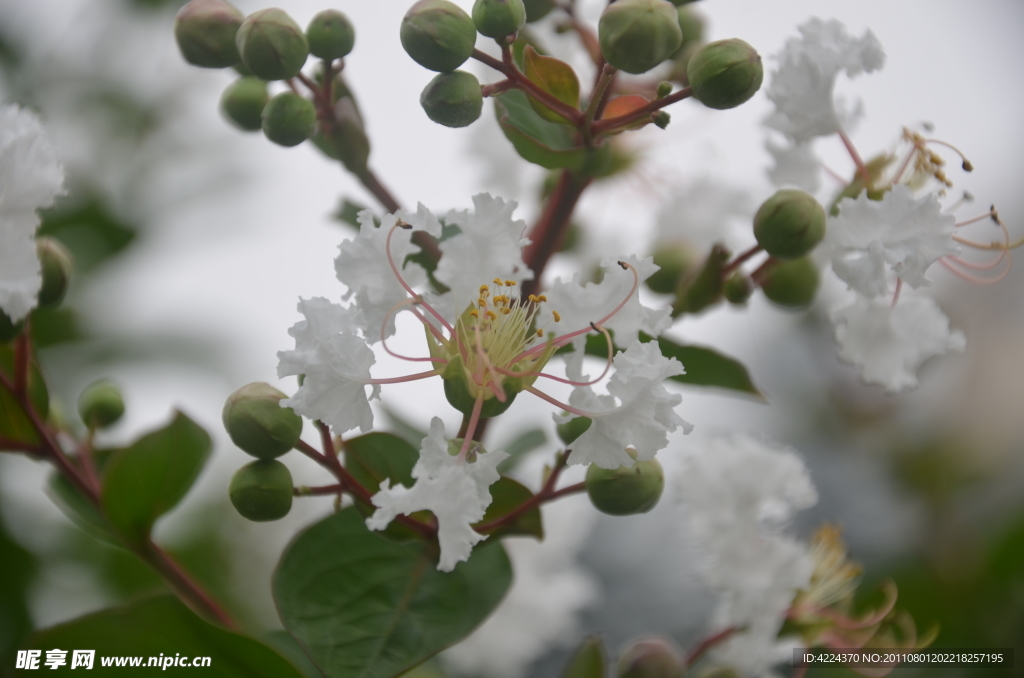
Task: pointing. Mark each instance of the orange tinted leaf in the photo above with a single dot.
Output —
(624, 105)
(555, 77)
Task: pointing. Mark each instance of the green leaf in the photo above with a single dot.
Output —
(518, 447)
(540, 141)
(17, 569)
(588, 662)
(15, 423)
(147, 479)
(555, 77)
(89, 230)
(704, 366)
(162, 626)
(506, 496)
(364, 607)
(80, 510)
(348, 213)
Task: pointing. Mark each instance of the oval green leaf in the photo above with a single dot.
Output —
(555, 77)
(506, 496)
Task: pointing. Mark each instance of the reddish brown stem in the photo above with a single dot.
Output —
(547, 493)
(703, 646)
(739, 260)
(318, 491)
(546, 235)
(761, 271)
(602, 126)
(183, 584)
(509, 70)
(21, 363)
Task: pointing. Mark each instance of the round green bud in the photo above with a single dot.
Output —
(262, 490)
(537, 9)
(680, 3)
(738, 288)
(205, 32)
(652, 658)
(257, 423)
(100, 404)
(661, 118)
(789, 224)
(692, 26)
(637, 35)
(56, 264)
(498, 18)
(626, 491)
(438, 35)
(289, 119)
(8, 328)
(272, 45)
(724, 74)
(457, 393)
(573, 429)
(331, 35)
(664, 89)
(675, 261)
(243, 102)
(791, 283)
(453, 99)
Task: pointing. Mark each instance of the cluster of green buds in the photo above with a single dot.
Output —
(261, 490)
(268, 46)
(788, 227)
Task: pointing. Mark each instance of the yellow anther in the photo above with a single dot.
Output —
(557, 316)
(484, 289)
(482, 302)
(474, 313)
(491, 315)
(510, 283)
(542, 298)
(533, 298)
(506, 310)
(540, 333)
(497, 281)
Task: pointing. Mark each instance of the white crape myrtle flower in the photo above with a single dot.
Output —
(363, 267)
(30, 178)
(738, 494)
(454, 488)
(900, 234)
(795, 165)
(579, 305)
(704, 212)
(888, 343)
(336, 364)
(643, 417)
(802, 86)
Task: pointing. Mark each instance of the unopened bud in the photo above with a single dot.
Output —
(101, 405)
(637, 35)
(289, 119)
(453, 99)
(661, 118)
(345, 139)
(457, 391)
(272, 45)
(330, 35)
(724, 74)
(652, 658)
(791, 283)
(56, 264)
(573, 429)
(262, 490)
(789, 224)
(626, 490)
(738, 288)
(498, 18)
(438, 35)
(692, 26)
(537, 9)
(243, 102)
(205, 32)
(704, 288)
(674, 262)
(664, 89)
(257, 423)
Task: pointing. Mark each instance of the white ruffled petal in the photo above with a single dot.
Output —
(795, 165)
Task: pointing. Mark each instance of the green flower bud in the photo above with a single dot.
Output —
(100, 404)
(537, 9)
(453, 99)
(262, 490)
(652, 658)
(675, 261)
(637, 35)
(331, 35)
(459, 397)
(664, 89)
(438, 35)
(724, 74)
(272, 45)
(692, 26)
(205, 31)
(738, 288)
(8, 329)
(626, 490)
(243, 102)
(56, 264)
(791, 283)
(289, 119)
(498, 18)
(705, 287)
(661, 119)
(257, 423)
(573, 429)
(789, 224)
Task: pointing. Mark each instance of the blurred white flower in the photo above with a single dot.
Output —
(888, 343)
(30, 178)
(802, 87)
(456, 490)
(336, 364)
(703, 213)
(795, 165)
(900, 232)
(738, 493)
(643, 417)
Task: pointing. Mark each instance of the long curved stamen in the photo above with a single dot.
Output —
(401, 380)
(896, 294)
(558, 403)
(973, 278)
(857, 160)
(405, 285)
(383, 342)
(607, 366)
(967, 197)
(485, 364)
(967, 165)
(974, 220)
(566, 338)
(840, 179)
(474, 419)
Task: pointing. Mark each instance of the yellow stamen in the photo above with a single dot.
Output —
(542, 298)
(510, 283)
(497, 281)
(491, 315)
(557, 316)
(484, 290)
(506, 310)
(540, 333)
(474, 314)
